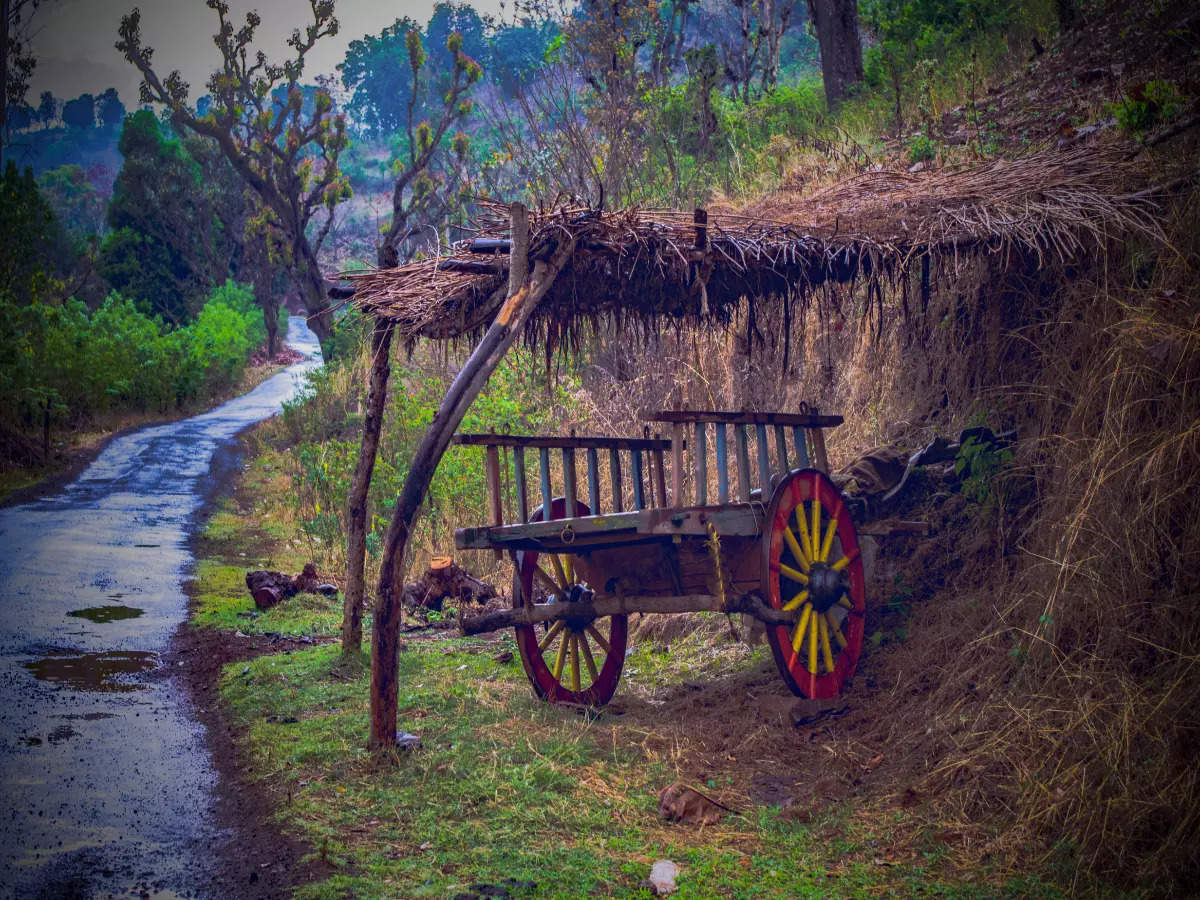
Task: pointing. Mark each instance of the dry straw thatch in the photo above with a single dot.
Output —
(658, 267)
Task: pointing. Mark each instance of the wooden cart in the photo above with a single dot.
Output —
(784, 552)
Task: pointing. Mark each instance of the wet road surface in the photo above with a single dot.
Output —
(105, 782)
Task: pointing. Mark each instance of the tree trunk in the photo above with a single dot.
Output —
(356, 528)
(508, 325)
(4, 14)
(311, 282)
(836, 23)
(1068, 14)
(270, 308)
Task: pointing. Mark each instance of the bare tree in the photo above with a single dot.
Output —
(286, 153)
(19, 62)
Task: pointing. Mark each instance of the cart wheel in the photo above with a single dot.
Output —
(569, 661)
(811, 563)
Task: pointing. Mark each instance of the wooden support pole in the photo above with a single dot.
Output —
(492, 460)
(570, 489)
(801, 444)
(722, 465)
(360, 483)
(519, 477)
(677, 498)
(764, 461)
(614, 477)
(510, 321)
(743, 462)
(700, 457)
(660, 478)
(781, 449)
(639, 490)
(593, 470)
(820, 457)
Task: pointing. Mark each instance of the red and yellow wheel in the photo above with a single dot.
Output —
(812, 564)
(570, 661)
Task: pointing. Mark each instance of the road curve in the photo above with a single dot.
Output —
(106, 787)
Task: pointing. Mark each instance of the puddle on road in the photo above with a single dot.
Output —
(112, 613)
(108, 671)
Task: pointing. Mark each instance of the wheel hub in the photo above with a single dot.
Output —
(825, 586)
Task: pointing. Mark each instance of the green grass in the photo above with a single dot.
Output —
(222, 601)
(506, 787)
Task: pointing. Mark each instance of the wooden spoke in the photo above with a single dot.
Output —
(793, 574)
(795, 602)
(550, 635)
(587, 655)
(844, 561)
(569, 568)
(797, 551)
(826, 651)
(845, 601)
(802, 529)
(574, 661)
(564, 584)
(801, 627)
(598, 638)
(812, 645)
(815, 534)
(561, 658)
(835, 630)
(827, 544)
(547, 582)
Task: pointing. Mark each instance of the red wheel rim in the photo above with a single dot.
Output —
(818, 660)
(573, 651)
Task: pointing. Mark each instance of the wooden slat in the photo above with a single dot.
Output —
(614, 475)
(743, 463)
(700, 453)
(819, 455)
(660, 478)
(811, 420)
(519, 476)
(677, 497)
(544, 460)
(781, 449)
(493, 488)
(639, 491)
(722, 465)
(551, 442)
(764, 461)
(801, 443)
(593, 470)
(570, 488)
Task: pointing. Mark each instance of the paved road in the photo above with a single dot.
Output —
(105, 783)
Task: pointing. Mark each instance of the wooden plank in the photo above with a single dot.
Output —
(553, 443)
(547, 497)
(639, 491)
(744, 519)
(660, 478)
(614, 475)
(493, 488)
(700, 455)
(764, 461)
(801, 444)
(593, 470)
(781, 449)
(811, 420)
(677, 498)
(722, 465)
(743, 462)
(519, 476)
(570, 487)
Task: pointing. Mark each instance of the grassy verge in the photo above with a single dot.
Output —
(506, 790)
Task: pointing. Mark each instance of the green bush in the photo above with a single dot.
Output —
(1154, 104)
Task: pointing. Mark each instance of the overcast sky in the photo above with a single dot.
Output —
(74, 39)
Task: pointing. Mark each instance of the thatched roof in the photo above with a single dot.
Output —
(652, 265)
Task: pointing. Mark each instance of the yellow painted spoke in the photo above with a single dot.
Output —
(562, 655)
(574, 662)
(826, 651)
(562, 575)
(587, 655)
(797, 550)
(812, 645)
(798, 636)
(828, 543)
(795, 601)
(815, 534)
(844, 561)
(550, 635)
(597, 637)
(845, 601)
(802, 528)
(547, 582)
(794, 574)
(835, 630)
(570, 570)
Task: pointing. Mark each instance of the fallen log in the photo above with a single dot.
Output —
(444, 581)
(598, 607)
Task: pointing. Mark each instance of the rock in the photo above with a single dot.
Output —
(329, 590)
(662, 877)
(407, 741)
(679, 803)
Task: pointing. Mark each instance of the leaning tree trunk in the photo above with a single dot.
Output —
(509, 323)
(311, 282)
(836, 23)
(356, 537)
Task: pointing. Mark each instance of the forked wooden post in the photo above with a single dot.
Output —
(523, 295)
